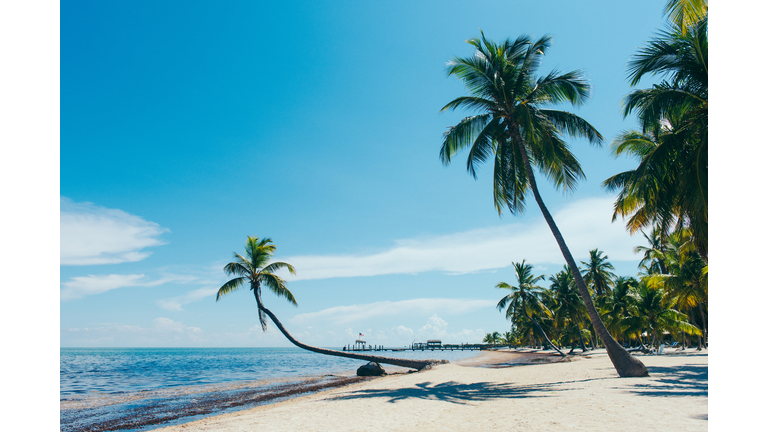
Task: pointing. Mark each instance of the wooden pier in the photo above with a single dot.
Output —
(430, 345)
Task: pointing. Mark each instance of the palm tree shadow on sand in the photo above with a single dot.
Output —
(675, 381)
(452, 392)
(665, 382)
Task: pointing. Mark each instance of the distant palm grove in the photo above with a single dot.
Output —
(666, 303)
(518, 130)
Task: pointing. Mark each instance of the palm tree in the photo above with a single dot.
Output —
(685, 13)
(493, 338)
(255, 269)
(653, 254)
(618, 308)
(655, 308)
(524, 297)
(670, 184)
(686, 281)
(518, 131)
(509, 338)
(597, 272)
(569, 308)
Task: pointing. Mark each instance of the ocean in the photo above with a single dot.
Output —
(139, 389)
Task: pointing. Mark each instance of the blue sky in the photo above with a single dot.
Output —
(186, 127)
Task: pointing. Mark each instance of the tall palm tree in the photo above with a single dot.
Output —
(686, 281)
(618, 308)
(256, 270)
(569, 308)
(670, 184)
(517, 130)
(653, 254)
(597, 272)
(525, 297)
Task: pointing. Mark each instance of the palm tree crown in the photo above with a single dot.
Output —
(512, 101)
(597, 272)
(256, 269)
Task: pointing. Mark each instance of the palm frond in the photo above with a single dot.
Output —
(230, 286)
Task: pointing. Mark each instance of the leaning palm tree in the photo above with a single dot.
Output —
(524, 298)
(517, 131)
(256, 270)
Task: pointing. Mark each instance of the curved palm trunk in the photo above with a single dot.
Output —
(536, 323)
(413, 364)
(626, 365)
(581, 339)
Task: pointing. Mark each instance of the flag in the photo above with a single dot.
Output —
(361, 335)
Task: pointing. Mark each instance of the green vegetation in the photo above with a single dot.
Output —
(669, 187)
(660, 306)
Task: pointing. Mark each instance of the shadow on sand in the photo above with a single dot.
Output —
(452, 392)
(677, 381)
(690, 380)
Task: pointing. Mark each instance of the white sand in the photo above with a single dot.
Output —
(582, 394)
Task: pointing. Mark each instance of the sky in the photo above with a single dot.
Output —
(186, 127)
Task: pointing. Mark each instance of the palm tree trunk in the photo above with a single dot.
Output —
(530, 318)
(626, 365)
(704, 324)
(413, 364)
(581, 340)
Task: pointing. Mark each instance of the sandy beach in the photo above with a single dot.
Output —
(489, 392)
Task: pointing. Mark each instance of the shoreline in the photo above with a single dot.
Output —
(487, 392)
(159, 407)
(178, 405)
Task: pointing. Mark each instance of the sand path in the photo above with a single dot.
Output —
(579, 395)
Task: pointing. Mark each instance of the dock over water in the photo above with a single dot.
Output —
(430, 345)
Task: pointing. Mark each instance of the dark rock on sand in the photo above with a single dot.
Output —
(371, 369)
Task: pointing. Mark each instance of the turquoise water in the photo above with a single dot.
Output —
(132, 389)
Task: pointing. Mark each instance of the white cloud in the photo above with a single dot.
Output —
(362, 312)
(91, 234)
(81, 286)
(585, 224)
(169, 325)
(175, 303)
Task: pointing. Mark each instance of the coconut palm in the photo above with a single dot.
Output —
(516, 129)
(655, 308)
(671, 181)
(685, 13)
(525, 297)
(597, 272)
(618, 308)
(510, 338)
(493, 338)
(256, 270)
(569, 309)
(653, 254)
(686, 281)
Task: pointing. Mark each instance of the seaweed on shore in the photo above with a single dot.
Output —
(138, 415)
